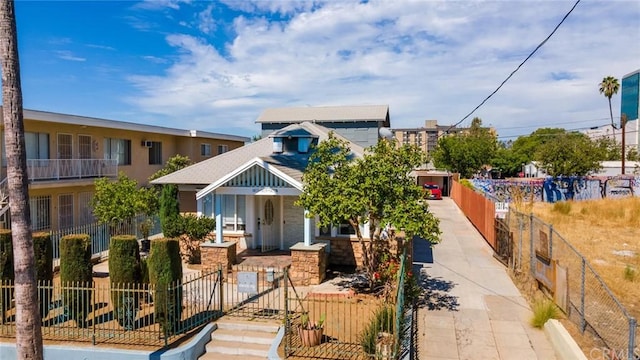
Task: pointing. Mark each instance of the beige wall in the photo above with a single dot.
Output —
(139, 169)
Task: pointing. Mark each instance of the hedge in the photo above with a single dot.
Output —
(43, 253)
(6, 271)
(165, 273)
(125, 275)
(76, 273)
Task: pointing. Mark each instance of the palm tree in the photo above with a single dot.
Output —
(609, 87)
(28, 322)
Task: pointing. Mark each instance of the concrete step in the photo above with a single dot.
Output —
(218, 356)
(237, 348)
(255, 325)
(245, 336)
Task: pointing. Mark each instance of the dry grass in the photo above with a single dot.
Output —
(607, 233)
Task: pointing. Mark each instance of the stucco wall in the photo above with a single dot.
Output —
(293, 218)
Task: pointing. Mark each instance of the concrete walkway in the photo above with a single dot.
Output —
(474, 311)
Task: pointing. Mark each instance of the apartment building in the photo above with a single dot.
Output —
(66, 153)
(426, 137)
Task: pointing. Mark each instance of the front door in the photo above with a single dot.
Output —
(270, 223)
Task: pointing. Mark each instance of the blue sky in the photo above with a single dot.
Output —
(215, 65)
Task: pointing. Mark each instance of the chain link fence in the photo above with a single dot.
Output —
(539, 250)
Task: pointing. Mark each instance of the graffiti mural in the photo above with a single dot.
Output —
(507, 190)
(561, 188)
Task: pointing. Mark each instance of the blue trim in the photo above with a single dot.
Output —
(192, 350)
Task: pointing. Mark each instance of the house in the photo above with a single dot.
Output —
(251, 190)
(359, 124)
(66, 153)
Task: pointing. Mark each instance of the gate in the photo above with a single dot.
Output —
(504, 242)
(255, 292)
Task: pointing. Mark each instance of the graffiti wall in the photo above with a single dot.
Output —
(561, 188)
(509, 190)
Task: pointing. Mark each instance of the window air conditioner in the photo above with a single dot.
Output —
(147, 144)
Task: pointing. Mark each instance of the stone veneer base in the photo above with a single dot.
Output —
(308, 264)
(214, 254)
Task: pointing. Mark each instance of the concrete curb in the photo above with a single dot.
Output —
(273, 350)
(191, 350)
(563, 344)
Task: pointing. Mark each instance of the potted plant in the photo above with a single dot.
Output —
(310, 332)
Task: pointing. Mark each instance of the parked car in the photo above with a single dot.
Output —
(432, 191)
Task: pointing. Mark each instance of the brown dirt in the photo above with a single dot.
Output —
(346, 318)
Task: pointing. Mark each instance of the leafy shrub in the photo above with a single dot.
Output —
(562, 207)
(43, 254)
(76, 272)
(466, 183)
(382, 322)
(165, 273)
(543, 310)
(6, 271)
(198, 227)
(125, 275)
(630, 273)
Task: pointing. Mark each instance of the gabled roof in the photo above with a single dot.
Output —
(366, 113)
(212, 170)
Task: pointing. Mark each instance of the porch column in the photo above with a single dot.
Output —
(218, 212)
(307, 228)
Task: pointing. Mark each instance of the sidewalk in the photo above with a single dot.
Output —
(474, 311)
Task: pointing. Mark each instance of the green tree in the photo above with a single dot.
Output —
(174, 163)
(375, 189)
(116, 202)
(466, 152)
(609, 87)
(27, 324)
(569, 154)
(609, 148)
(169, 205)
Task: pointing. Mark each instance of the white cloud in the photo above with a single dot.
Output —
(207, 23)
(426, 59)
(68, 55)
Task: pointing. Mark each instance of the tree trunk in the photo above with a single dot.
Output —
(28, 331)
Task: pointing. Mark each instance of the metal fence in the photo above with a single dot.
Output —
(101, 234)
(349, 326)
(104, 313)
(539, 250)
(255, 292)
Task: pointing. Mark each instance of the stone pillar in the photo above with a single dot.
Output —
(308, 264)
(216, 253)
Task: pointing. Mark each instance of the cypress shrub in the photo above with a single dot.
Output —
(125, 275)
(6, 272)
(165, 273)
(43, 253)
(76, 273)
(169, 208)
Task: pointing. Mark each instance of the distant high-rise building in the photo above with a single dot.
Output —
(630, 106)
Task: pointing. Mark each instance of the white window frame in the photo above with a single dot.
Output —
(223, 148)
(205, 149)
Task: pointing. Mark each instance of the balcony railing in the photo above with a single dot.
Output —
(57, 169)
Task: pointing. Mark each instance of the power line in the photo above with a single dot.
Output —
(517, 68)
(553, 123)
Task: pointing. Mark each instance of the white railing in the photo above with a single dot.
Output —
(56, 169)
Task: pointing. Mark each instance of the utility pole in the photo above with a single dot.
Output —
(623, 125)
